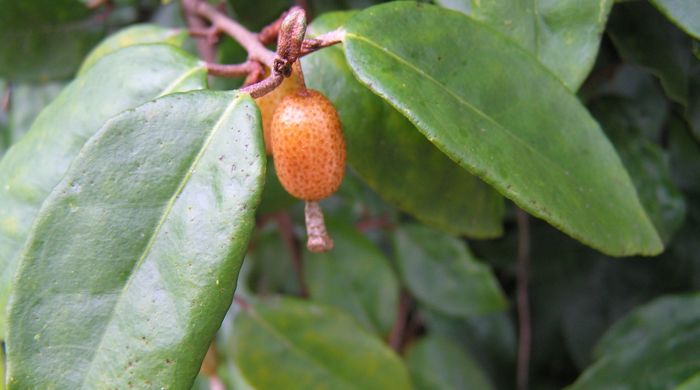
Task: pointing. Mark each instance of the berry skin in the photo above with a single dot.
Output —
(308, 145)
(269, 102)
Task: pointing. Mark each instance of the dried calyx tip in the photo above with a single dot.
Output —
(318, 238)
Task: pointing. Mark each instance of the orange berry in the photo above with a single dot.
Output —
(308, 145)
(269, 102)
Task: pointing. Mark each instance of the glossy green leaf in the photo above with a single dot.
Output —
(27, 101)
(290, 344)
(393, 158)
(646, 162)
(437, 364)
(489, 106)
(133, 259)
(655, 347)
(441, 272)
(564, 35)
(44, 39)
(643, 36)
(356, 277)
(130, 36)
(33, 167)
(685, 14)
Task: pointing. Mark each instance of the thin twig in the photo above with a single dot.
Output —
(241, 302)
(249, 41)
(206, 49)
(216, 384)
(396, 337)
(263, 87)
(230, 70)
(284, 223)
(6, 98)
(524, 331)
(383, 222)
(268, 35)
(324, 40)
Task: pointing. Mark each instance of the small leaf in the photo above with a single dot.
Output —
(683, 13)
(656, 347)
(437, 364)
(643, 36)
(488, 105)
(44, 40)
(564, 35)
(290, 344)
(441, 272)
(133, 259)
(130, 36)
(33, 167)
(393, 158)
(354, 276)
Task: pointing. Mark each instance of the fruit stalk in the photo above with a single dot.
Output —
(318, 238)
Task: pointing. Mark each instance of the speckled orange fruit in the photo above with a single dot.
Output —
(269, 102)
(308, 145)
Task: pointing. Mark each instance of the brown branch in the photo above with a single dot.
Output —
(249, 41)
(284, 223)
(524, 331)
(263, 87)
(324, 40)
(318, 238)
(6, 98)
(268, 35)
(231, 70)
(206, 49)
(241, 302)
(396, 337)
(383, 222)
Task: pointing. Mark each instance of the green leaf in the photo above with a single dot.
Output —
(27, 101)
(160, 205)
(44, 40)
(393, 158)
(683, 13)
(564, 35)
(130, 36)
(270, 261)
(436, 363)
(691, 384)
(692, 112)
(646, 162)
(441, 272)
(497, 112)
(290, 344)
(655, 347)
(685, 156)
(33, 167)
(643, 36)
(490, 339)
(354, 276)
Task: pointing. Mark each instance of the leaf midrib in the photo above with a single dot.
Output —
(464, 102)
(166, 213)
(554, 218)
